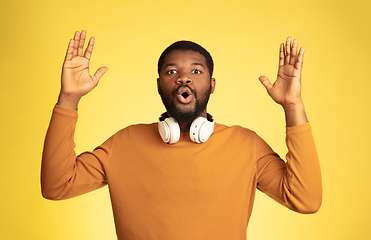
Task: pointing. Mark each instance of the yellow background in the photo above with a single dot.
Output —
(243, 38)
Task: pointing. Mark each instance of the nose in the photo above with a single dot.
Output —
(184, 78)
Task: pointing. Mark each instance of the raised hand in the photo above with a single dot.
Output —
(76, 78)
(286, 90)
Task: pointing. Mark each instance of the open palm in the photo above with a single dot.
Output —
(286, 90)
(76, 78)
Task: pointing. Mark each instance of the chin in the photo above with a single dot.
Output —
(185, 115)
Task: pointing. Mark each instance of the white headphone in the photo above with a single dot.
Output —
(201, 129)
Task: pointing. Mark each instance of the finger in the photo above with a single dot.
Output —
(294, 52)
(288, 50)
(89, 48)
(299, 62)
(76, 43)
(81, 43)
(99, 73)
(265, 81)
(69, 50)
(281, 56)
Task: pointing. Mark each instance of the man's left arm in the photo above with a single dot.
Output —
(300, 179)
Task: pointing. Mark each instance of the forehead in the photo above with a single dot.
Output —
(182, 57)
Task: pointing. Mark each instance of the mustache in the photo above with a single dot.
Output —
(175, 91)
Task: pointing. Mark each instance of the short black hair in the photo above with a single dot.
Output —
(185, 46)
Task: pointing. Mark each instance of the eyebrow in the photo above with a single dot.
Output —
(199, 64)
(192, 64)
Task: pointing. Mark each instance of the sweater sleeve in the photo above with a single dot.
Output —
(297, 182)
(63, 174)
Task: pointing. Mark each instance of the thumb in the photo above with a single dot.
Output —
(265, 81)
(99, 73)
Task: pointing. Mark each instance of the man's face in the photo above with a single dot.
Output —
(185, 85)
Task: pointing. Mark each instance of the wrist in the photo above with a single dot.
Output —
(68, 101)
(294, 107)
(295, 114)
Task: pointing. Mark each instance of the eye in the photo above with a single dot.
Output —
(171, 71)
(196, 71)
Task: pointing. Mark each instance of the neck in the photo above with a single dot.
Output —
(184, 127)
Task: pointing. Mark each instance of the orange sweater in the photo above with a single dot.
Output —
(185, 190)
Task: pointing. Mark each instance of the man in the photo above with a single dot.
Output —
(185, 177)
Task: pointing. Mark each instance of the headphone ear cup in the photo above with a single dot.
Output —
(169, 130)
(201, 129)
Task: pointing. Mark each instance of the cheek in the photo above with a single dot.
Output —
(165, 91)
(204, 89)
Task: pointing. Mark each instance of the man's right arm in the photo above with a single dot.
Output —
(60, 167)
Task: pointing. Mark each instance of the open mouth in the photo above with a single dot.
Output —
(184, 95)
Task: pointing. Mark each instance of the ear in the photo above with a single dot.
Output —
(158, 85)
(213, 83)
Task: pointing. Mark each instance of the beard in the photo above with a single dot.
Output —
(186, 115)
